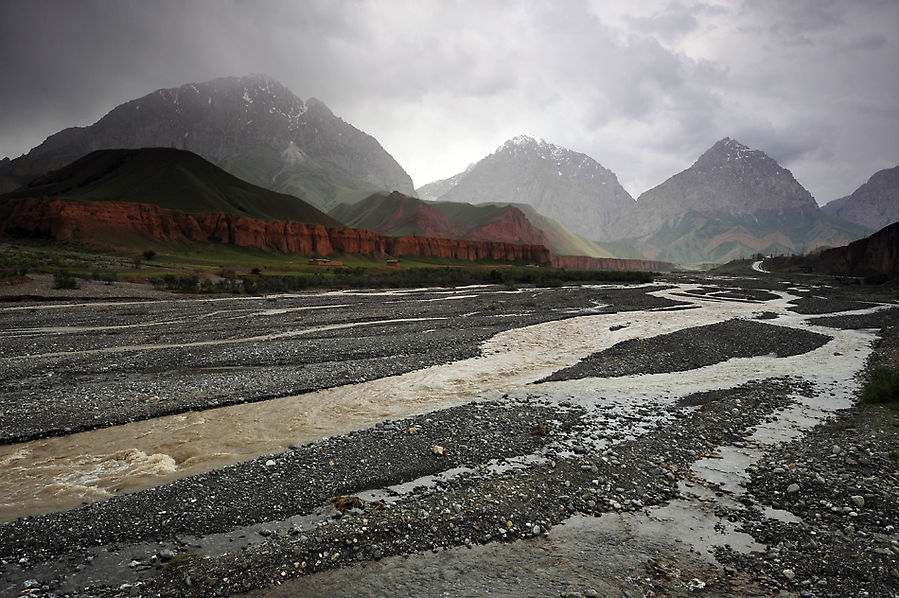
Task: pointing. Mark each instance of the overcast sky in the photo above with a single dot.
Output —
(642, 87)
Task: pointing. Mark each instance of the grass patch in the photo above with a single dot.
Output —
(220, 268)
(377, 278)
(882, 386)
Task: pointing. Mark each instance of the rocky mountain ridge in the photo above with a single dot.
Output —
(562, 184)
(397, 214)
(728, 178)
(253, 127)
(732, 202)
(874, 205)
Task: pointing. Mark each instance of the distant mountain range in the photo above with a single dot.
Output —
(559, 183)
(733, 201)
(873, 205)
(128, 198)
(253, 127)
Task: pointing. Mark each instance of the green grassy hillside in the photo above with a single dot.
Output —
(396, 215)
(171, 179)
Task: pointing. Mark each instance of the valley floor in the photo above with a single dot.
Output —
(696, 436)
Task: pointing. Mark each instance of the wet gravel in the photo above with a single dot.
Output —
(693, 348)
(276, 487)
(508, 471)
(842, 481)
(51, 387)
(477, 509)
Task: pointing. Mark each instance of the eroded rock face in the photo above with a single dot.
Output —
(877, 254)
(582, 262)
(397, 214)
(92, 222)
(511, 226)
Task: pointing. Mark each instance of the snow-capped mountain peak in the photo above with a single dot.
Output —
(563, 184)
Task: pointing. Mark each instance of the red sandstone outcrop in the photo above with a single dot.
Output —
(582, 262)
(92, 222)
(466, 250)
(512, 225)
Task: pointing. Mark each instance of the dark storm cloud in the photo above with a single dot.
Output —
(642, 87)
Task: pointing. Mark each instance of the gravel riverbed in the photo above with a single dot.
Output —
(555, 490)
(89, 367)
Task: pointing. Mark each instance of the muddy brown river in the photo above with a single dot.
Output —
(60, 473)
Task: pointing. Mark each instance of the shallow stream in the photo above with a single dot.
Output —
(61, 473)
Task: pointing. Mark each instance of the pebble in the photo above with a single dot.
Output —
(618, 475)
(858, 500)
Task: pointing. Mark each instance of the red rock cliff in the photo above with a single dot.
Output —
(582, 262)
(510, 226)
(92, 222)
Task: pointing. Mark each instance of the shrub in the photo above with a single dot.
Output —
(107, 277)
(149, 254)
(178, 284)
(882, 385)
(62, 279)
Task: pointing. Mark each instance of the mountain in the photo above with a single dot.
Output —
(562, 184)
(873, 205)
(434, 191)
(559, 238)
(168, 178)
(733, 201)
(253, 127)
(397, 214)
(126, 198)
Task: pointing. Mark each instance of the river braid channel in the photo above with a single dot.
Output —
(692, 436)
